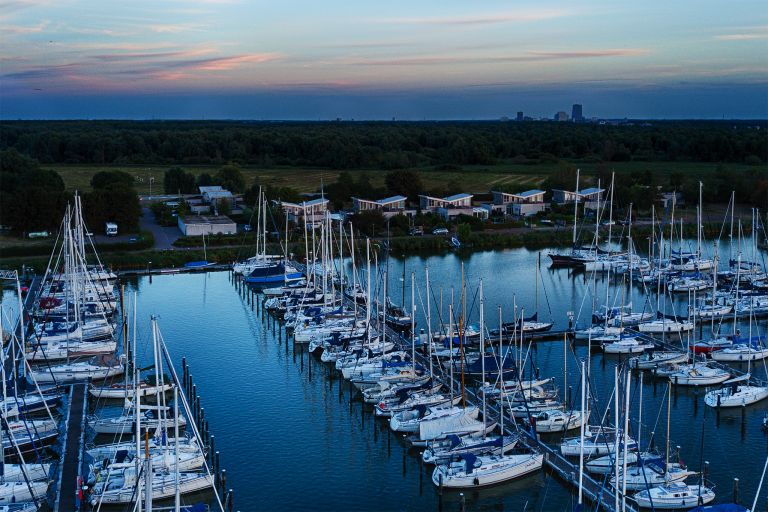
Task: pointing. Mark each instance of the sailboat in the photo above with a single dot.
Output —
(263, 268)
(674, 496)
(477, 471)
(532, 323)
(736, 392)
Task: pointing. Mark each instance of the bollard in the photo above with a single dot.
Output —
(217, 467)
(223, 479)
(736, 491)
(212, 445)
(231, 499)
(463, 504)
(201, 419)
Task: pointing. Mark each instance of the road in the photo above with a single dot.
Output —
(164, 236)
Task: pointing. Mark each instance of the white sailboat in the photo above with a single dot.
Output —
(674, 496)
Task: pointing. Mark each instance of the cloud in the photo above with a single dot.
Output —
(532, 56)
(118, 57)
(20, 29)
(174, 28)
(225, 63)
(509, 17)
(747, 34)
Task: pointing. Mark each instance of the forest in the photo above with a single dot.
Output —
(382, 145)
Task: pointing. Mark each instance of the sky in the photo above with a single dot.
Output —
(408, 60)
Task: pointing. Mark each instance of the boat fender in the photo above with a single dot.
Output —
(476, 481)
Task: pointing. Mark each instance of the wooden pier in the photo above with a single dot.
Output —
(72, 449)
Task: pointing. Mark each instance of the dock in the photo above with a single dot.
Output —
(566, 471)
(72, 449)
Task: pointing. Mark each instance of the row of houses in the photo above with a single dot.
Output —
(522, 204)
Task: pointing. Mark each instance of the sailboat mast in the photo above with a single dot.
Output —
(413, 322)
(627, 385)
(581, 434)
(482, 355)
(610, 211)
(616, 403)
(669, 415)
(429, 322)
(177, 503)
(575, 207)
(450, 345)
(462, 331)
(698, 223)
(368, 305)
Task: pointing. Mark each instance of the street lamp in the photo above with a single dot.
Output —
(151, 180)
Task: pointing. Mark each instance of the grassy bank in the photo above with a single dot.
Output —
(474, 178)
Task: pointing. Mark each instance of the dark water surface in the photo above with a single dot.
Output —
(292, 438)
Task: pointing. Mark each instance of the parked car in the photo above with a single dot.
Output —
(416, 231)
(440, 231)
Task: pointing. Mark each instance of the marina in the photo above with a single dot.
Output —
(458, 358)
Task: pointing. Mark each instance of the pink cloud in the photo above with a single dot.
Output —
(509, 17)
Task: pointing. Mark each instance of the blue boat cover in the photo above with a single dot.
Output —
(469, 461)
(722, 507)
(454, 440)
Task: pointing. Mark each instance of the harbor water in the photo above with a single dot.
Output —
(294, 436)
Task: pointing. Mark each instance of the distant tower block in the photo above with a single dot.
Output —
(576, 113)
(561, 116)
(519, 116)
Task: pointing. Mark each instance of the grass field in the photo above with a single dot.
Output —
(474, 179)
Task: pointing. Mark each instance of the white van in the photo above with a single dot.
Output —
(110, 229)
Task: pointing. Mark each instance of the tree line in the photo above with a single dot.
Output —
(382, 145)
(34, 199)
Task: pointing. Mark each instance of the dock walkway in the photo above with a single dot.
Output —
(72, 449)
(593, 490)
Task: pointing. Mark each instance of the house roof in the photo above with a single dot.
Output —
(209, 189)
(207, 219)
(315, 202)
(529, 193)
(456, 197)
(590, 191)
(392, 199)
(215, 194)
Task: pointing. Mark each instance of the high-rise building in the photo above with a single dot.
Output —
(576, 113)
(561, 116)
(519, 116)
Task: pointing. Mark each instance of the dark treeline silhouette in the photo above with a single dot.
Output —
(382, 145)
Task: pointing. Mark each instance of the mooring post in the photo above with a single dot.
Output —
(736, 491)
(231, 499)
(217, 466)
(212, 445)
(223, 480)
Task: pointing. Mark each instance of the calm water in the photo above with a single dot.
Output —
(292, 438)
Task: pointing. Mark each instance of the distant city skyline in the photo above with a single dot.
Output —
(405, 60)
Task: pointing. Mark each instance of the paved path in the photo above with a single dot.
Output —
(164, 236)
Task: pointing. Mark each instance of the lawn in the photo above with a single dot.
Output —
(474, 179)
